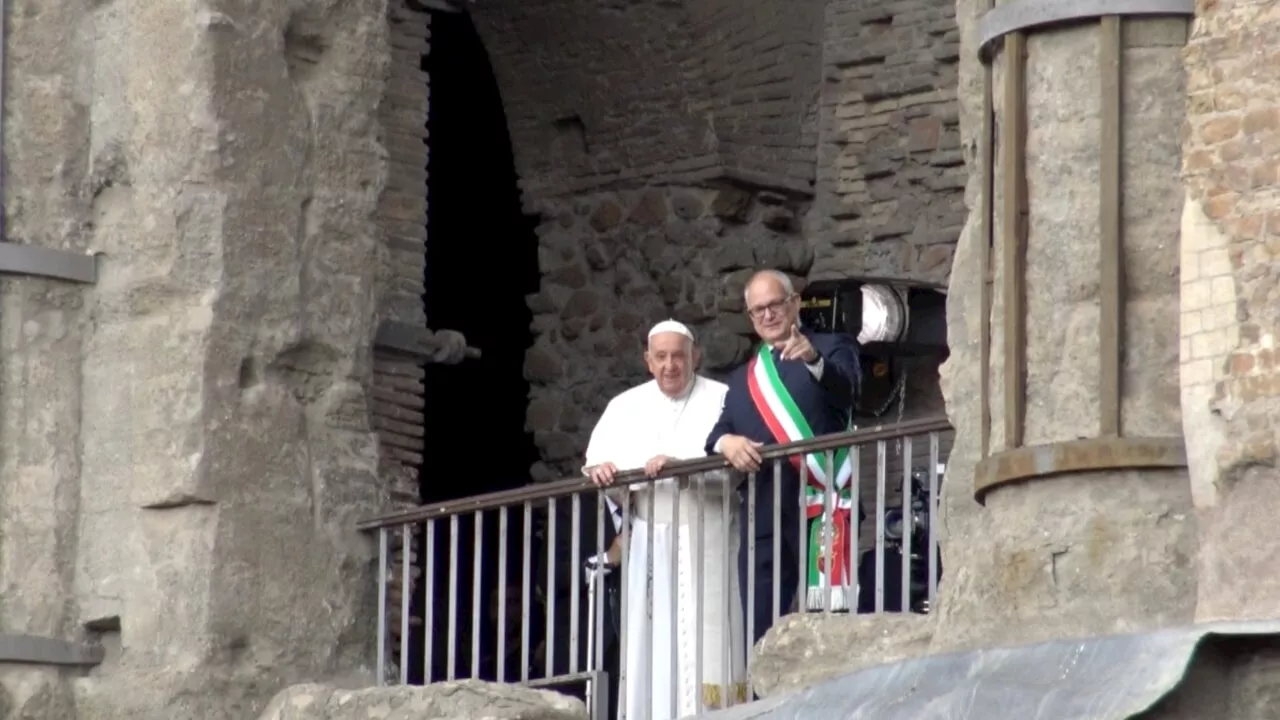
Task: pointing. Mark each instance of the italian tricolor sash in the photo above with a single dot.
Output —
(787, 424)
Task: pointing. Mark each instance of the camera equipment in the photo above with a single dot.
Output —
(921, 505)
(894, 322)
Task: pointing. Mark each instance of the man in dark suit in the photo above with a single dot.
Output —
(798, 383)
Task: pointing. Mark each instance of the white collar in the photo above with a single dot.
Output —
(682, 397)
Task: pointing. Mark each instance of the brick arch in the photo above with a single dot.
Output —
(594, 92)
(653, 91)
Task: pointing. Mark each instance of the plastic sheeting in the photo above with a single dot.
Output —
(1097, 678)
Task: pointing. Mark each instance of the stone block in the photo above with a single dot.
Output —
(805, 649)
(466, 699)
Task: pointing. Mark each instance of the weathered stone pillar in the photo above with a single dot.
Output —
(1230, 314)
(1077, 518)
(226, 448)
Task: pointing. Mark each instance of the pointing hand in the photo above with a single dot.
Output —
(798, 347)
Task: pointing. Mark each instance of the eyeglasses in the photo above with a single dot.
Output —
(761, 311)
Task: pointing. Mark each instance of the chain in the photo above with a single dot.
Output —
(902, 407)
(895, 394)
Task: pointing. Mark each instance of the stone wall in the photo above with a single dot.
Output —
(599, 93)
(188, 442)
(891, 176)
(791, 101)
(1230, 393)
(761, 64)
(614, 264)
(398, 403)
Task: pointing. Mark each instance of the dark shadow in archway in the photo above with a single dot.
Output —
(481, 262)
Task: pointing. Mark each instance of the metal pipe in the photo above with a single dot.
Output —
(561, 488)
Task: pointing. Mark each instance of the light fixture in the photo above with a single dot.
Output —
(884, 315)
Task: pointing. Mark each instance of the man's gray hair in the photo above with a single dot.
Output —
(783, 279)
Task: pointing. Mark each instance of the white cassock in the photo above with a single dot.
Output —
(638, 425)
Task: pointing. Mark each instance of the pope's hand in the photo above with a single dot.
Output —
(798, 347)
(655, 465)
(742, 453)
(602, 474)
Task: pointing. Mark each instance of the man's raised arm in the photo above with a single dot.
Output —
(841, 372)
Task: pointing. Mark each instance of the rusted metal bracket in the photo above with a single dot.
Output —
(449, 6)
(36, 650)
(20, 259)
(1077, 456)
(1033, 15)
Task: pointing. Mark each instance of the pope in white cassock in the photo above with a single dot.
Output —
(649, 426)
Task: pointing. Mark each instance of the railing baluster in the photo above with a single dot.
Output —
(802, 583)
(673, 580)
(908, 523)
(477, 569)
(650, 593)
(429, 603)
(452, 657)
(776, 558)
(855, 529)
(526, 591)
(751, 557)
(382, 607)
(602, 508)
(624, 567)
(728, 600)
(880, 501)
(700, 595)
(406, 544)
(575, 555)
(501, 670)
(828, 530)
(549, 644)
(933, 519)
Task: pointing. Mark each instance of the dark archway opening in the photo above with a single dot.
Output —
(481, 263)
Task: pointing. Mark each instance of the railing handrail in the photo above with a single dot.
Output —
(567, 486)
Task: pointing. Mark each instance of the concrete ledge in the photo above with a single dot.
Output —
(1077, 456)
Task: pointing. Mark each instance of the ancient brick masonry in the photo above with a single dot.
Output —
(1231, 166)
(1231, 299)
(761, 68)
(891, 174)
(397, 394)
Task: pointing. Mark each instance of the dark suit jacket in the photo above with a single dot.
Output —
(827, 404)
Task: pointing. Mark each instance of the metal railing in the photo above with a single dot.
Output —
(696, 508)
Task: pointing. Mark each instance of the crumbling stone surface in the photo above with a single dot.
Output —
(1229, 302)
(804, 649)
(189, 440)
(615, 263)
(465, 700)
(1071, 555)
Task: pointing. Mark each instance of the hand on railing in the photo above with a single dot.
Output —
(598, 566)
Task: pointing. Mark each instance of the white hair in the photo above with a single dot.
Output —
(783, 279)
